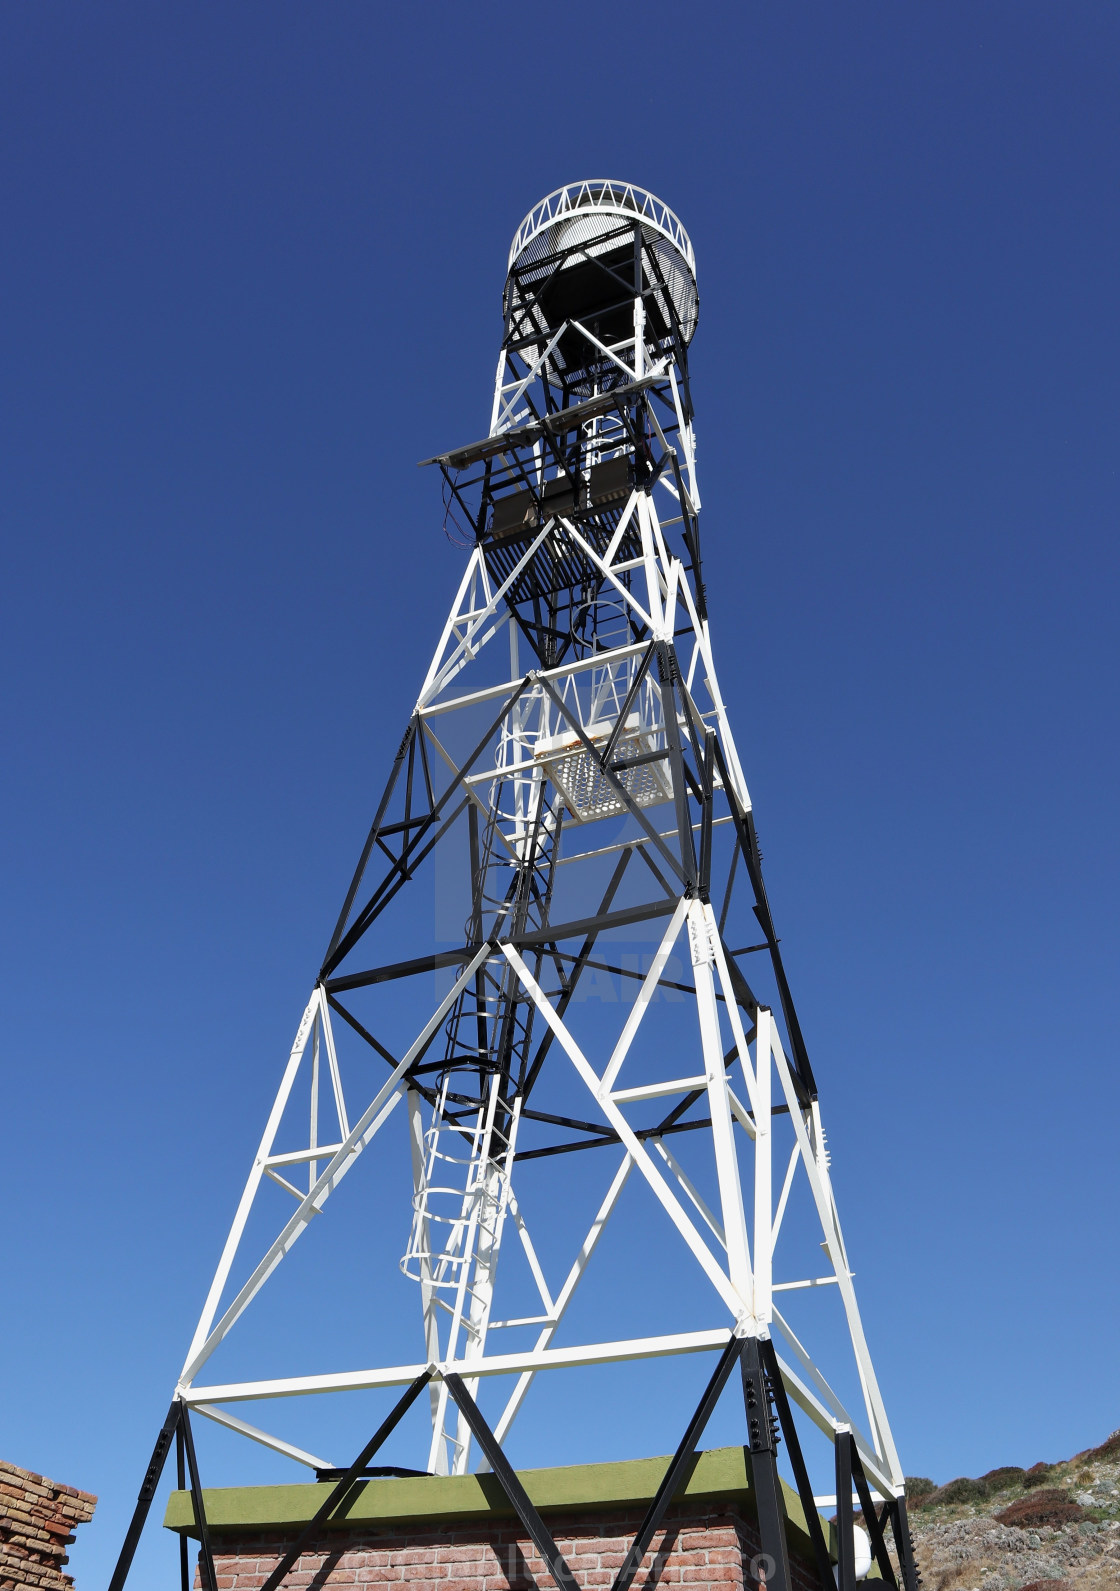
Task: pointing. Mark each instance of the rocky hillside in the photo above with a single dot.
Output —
(1054, 1527)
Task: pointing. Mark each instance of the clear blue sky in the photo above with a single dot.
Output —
(251, 272)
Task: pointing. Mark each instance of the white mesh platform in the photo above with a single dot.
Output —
(579, 777)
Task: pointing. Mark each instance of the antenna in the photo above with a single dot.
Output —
(570, 771)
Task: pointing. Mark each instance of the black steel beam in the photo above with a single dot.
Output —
(573, 1123)
(344, 943)
(668, 673)
(339, 1493)
(607, 897)
(629, 972)
(392, 882)
(845, 1519)
(398, 969)
(375, 827)
(872, 1521)
(766, 1486)
(679, 1464)
(362, 1032)
(185, 1578)
(508, 1480)
(561, 423)
(748, 840)
(821, 1553)
(208, 1575)
(904, 1545)
(144, 1497)
(643, 852)
(600, 925)
(631, 697)
(659, 1131)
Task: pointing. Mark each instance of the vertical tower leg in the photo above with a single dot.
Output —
(181, 1483)
(845, 1517)
(900, 1524)
(797, 1464)
(764, 1470)
(209, 1578)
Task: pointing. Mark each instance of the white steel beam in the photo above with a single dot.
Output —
(232, 1423)
(664, 1195)
(675, 1085)
(624, 592)
(494, 692)
(466, 649)
(822, 1197)
(428, 1297)
(779, 1214)
(719, 1106)
(645, 995)
(826, 1422)
(567, 1291)
(763, 1189)
(492, 1365)
(693, 1193)
(337, 1167)
(252, 1185)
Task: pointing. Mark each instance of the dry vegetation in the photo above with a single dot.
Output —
(1053, 1527)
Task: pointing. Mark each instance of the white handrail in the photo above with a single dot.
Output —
(611, 197)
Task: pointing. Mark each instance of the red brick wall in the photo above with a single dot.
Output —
(697, 1548)
(37, 1522)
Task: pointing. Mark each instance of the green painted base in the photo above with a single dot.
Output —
(722, 1473)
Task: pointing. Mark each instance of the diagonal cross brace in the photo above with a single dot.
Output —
(678, 1466)
(872, 1521)
(339, 1494)
(507, 1478)
(176, 1427)
(167, 1433)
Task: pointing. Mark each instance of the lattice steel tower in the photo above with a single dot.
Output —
(570, 770)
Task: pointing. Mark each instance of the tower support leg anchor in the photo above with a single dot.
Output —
(773, 1561)
(821, 1553)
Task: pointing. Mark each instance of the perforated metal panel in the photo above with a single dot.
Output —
(579, 777)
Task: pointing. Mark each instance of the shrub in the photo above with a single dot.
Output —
(918, 1486)
(1038, 1475)
(962, 1490)
(1109, 1448)
(1048, 1585)
(1000, 1480)
(1048, 1506)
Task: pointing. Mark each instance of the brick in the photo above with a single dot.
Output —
(469, 1552)
(699, 1548)
(731, 1554)
(38, 1516)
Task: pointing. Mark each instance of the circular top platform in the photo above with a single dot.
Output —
(608, 197)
